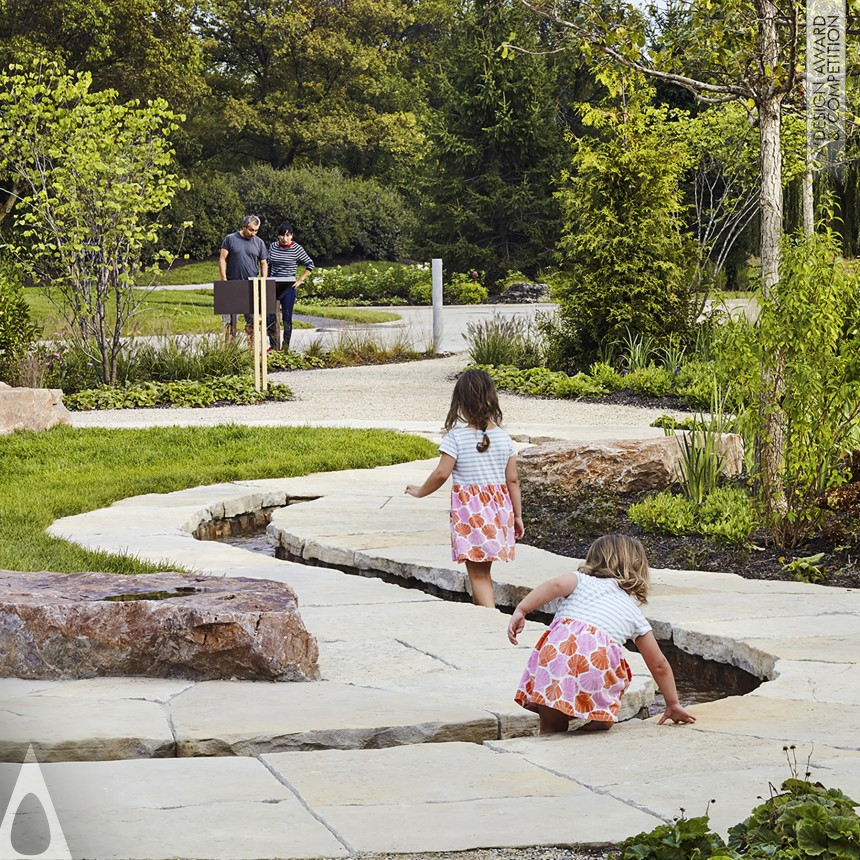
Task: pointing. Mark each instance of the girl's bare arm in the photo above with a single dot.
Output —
(561, 586)
(660, 669)
(435, 480)
(513, 482)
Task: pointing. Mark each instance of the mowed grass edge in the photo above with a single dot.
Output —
(64, 471)
(167, 312)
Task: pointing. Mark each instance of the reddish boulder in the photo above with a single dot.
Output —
(83, 625)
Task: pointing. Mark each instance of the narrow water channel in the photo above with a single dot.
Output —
(698, 680)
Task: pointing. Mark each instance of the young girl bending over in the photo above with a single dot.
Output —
(577, 669)
(486, 513)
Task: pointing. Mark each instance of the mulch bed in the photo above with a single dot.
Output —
(566, 523)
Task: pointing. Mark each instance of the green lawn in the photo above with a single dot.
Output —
(187, 312)
(61, 472)
(204, 272)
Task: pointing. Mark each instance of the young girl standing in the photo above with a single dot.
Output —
(577, 669)
(486, 512)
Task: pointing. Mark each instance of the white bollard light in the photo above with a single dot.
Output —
(436, 270)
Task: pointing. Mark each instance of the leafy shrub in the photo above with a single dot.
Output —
(17, 331)
(664, 513)
(331, 214)
(371, 284)
(681, 840)
(806, 569)
(727, 515)
(464, 289)
(695, 382)
(187, 392)
(651, 380)
(802, 820)
(293, 361)
(541, 382)
(503, 341)
(628, 258)
(213, 207)
(606, 376)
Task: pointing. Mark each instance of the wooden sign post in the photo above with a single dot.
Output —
(254, 296)
(261, 365)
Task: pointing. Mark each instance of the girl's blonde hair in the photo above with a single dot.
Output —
(619, 557)
(476, 402)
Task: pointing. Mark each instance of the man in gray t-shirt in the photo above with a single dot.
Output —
(243, 255)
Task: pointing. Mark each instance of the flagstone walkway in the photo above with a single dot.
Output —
(411, 741)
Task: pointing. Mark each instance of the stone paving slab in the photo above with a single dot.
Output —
(230, 718)
(734, 771)
(82, 728)
(200, 808)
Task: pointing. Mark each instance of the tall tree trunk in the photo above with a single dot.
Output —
(808, 196)
(770, 454)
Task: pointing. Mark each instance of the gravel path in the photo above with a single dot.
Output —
(388, 395)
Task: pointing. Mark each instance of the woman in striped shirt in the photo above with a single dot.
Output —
(284, 258)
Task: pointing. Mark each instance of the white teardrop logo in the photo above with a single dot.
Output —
(30, 833)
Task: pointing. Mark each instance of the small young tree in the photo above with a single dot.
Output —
(808, 343)
(92, 177)
(630, 264)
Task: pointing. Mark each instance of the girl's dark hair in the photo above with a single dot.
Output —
(284, 228)
(476, 402)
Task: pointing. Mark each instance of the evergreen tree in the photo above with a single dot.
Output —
(630, 265)
(496, 146)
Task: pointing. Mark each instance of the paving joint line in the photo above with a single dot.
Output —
(298, 795)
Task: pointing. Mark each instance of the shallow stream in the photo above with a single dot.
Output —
(698, 680)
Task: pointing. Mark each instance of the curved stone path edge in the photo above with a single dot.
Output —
(150, 768)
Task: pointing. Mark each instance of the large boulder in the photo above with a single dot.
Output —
(82, 625)
(31, 408)
(623, 466)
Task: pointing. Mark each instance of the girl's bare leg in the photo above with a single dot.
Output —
(552, 721)
(482, 583)
(596, 726)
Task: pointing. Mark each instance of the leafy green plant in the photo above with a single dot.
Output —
(465, 289)
(701, 464)
(17, 331)
(727, 515)
(804, 819)
(801, 821)
(637, 350)
(541, 382)
(664, 513)
(806, 569)
(650, 380)
(372, 283)
(185, 392)
(293, 361)
(684, 839)
(795, 375)
(673, 353)
(606, 376)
